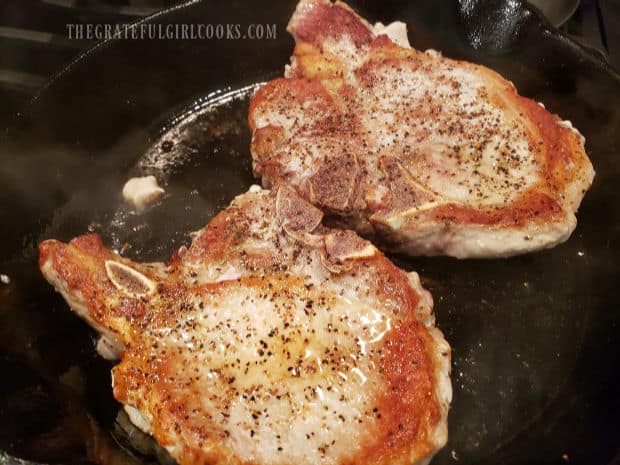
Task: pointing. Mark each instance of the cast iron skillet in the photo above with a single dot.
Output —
(535, 338)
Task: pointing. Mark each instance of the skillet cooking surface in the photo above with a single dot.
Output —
(535, 338)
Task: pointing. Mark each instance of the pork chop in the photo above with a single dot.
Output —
(423, 154)
(271, 340)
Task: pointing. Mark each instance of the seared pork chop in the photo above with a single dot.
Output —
(423, 154)
(271, 340)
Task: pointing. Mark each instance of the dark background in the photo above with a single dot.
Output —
(535, 338)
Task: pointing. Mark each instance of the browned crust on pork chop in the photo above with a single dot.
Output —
(468, 167)
(190, 372)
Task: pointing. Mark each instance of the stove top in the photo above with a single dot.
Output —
(39, 37)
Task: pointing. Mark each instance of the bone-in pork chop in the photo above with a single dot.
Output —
(271, 340)
(425, 155)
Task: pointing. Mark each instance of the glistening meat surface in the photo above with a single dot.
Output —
(271, 340)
